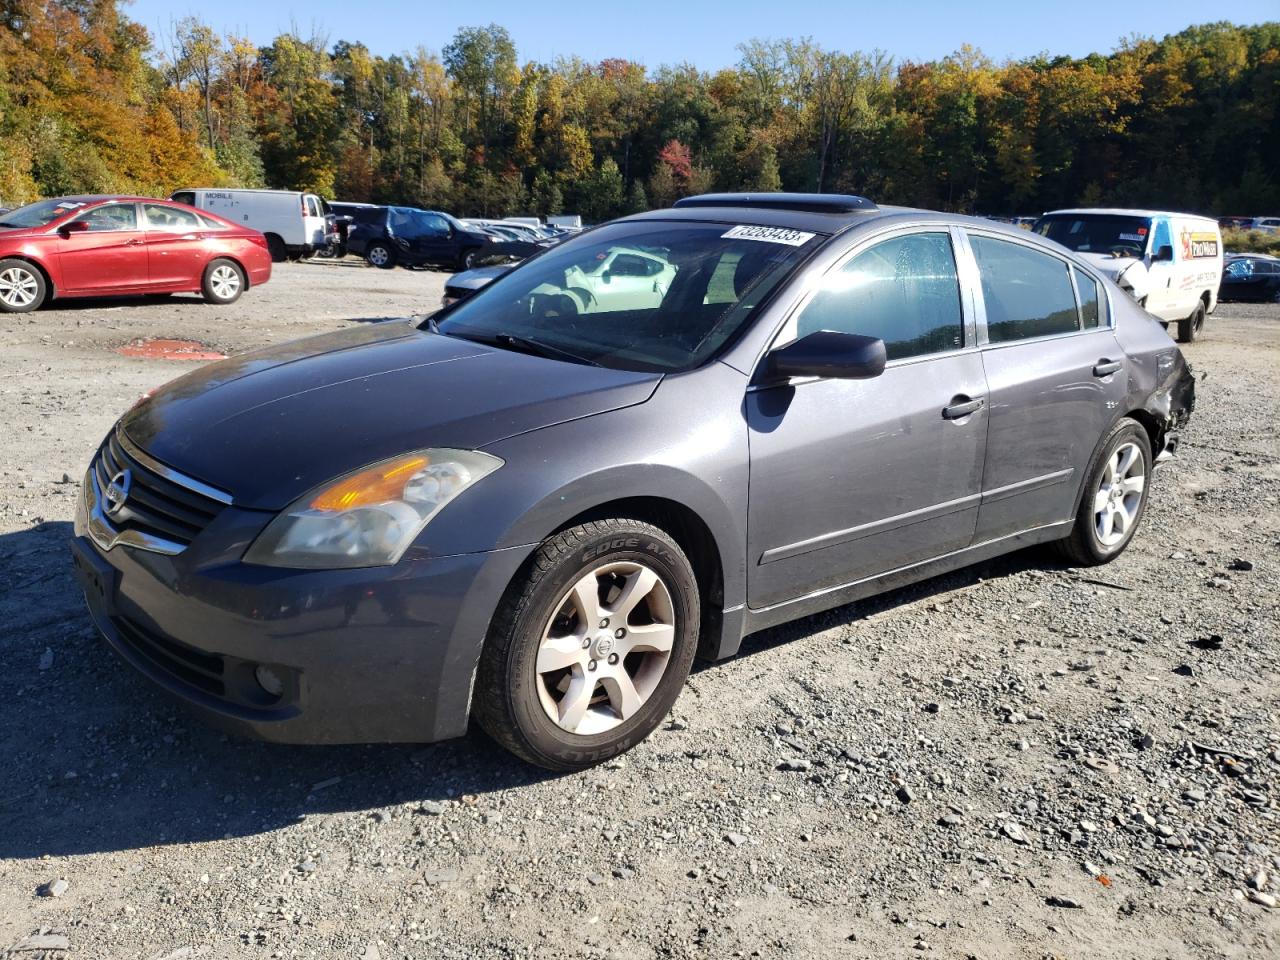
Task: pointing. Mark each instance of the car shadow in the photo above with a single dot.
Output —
(98, 759)
(72, 304)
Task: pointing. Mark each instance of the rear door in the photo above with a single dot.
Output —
(109, 257)
(854, 478)
(175, 242)
(1055, 375)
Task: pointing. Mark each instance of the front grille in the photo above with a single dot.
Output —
(196, 667)
(155, 507)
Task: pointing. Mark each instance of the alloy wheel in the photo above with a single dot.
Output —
(378, 256)
(605, 648)
(18, 287)
(224, 281)
(1119, 495)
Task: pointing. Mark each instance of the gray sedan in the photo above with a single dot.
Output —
(535, 508)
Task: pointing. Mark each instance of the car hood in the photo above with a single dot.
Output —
(1109, 266)
(477, 278)
(270, 425)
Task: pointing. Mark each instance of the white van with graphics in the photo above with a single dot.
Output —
(1171, 263)
(295, 223)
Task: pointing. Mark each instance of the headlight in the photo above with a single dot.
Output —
(368, 518)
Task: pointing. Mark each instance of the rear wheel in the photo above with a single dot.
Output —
(223, 282)
(1114, 499)
(589, 650)
(1190, 327)
(380, 255)
(22, 286)
(467, 260)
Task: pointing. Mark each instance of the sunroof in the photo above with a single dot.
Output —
(808, 202)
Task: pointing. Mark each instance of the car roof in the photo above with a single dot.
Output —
(1251, 256)
(829, 223)
(1124, 212)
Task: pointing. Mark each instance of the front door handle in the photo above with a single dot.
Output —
(962, 409)
(1105, 367)
(135, 242)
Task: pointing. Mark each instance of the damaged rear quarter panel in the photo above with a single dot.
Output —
(1161, 383)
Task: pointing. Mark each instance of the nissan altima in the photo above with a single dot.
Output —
(537, 506)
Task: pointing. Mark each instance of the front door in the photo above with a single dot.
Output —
(1162, 287)
(175, 246)
(853, 478)
(1056, 376)
(109, 257)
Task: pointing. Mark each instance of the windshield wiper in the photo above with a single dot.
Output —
(513, 341)
(540, 348)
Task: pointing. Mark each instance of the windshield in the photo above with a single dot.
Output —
(40, 213)
(1093, 233)
(646, 295)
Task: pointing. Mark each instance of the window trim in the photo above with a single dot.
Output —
(785, 332)
(984, 342)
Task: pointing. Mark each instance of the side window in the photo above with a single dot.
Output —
(114, 216)
(1027, 293)
(170, 219)
(904, 291)
(629, 265)
(1090, 299)
(313, 208)
(434, 225)
(1161, 237)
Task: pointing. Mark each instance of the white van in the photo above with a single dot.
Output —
(1171, 263)
(295, 223)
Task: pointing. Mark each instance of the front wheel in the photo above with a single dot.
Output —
(1114, 499)
(589, 649)
(467, 260)
(22, 287)
(1190, 327)
(380, 255)
(223, 282)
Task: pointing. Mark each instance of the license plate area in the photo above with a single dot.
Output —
(96, 577)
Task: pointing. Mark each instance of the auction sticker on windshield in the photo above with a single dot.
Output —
(792, 238)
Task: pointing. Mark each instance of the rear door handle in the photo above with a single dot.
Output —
(962, 409)
(1105, 367)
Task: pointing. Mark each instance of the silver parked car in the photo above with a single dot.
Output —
(537, 506)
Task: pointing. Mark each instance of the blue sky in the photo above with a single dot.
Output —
(705, 32)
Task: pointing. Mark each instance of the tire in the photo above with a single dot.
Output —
(381, 256)
(22, 286)
(525, 677)
(1190, 327)
(1092, 541)
(467, 259)
(275, 247)
(223, 282)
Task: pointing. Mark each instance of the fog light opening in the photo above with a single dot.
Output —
(269, 680)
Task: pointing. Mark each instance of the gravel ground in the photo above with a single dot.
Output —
(1018, 760)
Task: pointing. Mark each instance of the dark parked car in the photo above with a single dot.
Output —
(1250, 276)
(406, 236)
(536, 506)
(100, 246)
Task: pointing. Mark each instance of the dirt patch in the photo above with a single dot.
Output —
(162, 348)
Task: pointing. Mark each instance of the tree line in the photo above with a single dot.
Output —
(92, 102)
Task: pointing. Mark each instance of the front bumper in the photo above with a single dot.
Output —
(372, 655)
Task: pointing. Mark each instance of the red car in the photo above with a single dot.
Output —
(117, 246)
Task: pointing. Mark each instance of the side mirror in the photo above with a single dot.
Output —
(1164, 254)
(843, 356)
(75, 226)
(607, 276)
